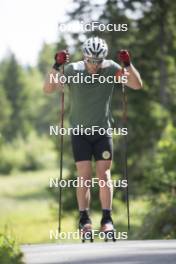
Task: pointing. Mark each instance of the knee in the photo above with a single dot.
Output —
(84, 181)
(105, 175)
(84, 177)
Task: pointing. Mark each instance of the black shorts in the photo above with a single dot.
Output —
(86, 146)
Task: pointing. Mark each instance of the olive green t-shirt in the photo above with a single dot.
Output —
(90, 102)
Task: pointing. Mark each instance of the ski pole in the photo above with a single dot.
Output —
(125, 157)
(61, 153)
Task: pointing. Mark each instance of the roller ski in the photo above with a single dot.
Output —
(85, 227)
(86, 233)
(107, 228)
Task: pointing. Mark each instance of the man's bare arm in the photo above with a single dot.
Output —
(49, 85)
(134, 79)
(52, 82)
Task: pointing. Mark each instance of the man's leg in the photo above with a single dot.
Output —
(103, 153)
(83, 193)
(106, 192)
(82, 151)
(84, 171)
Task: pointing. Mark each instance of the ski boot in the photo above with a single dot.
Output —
(85, 227)
(107, 229)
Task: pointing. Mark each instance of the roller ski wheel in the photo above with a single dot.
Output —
(86, 233)
(108, 232)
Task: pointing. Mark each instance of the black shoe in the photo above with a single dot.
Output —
(84, 219)
(106, 224)
(106, 220)
(106, 217)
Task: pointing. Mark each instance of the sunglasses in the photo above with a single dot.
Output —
(94, 61)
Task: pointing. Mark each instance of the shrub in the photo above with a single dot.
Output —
(31, 154)
(9, 251)
(160, 222)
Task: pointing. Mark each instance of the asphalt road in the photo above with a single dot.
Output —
(121, 252)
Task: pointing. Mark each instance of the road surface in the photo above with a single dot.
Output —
(120, 252)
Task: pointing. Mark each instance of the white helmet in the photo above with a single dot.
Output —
(95, 47)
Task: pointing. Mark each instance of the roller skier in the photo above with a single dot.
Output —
(90, 106)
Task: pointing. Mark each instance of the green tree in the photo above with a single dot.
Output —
(17, 97)
(5, 112)
(45, 57)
